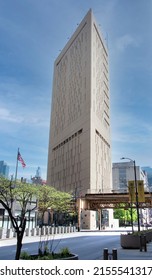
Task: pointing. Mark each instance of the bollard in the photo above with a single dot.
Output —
(143, 244)
(114, 253)
(109, 256)
(105, 254)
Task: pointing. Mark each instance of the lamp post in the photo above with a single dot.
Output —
(136, 191)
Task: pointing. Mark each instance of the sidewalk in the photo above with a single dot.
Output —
(31, 239)
(135, 254)
(132, 254)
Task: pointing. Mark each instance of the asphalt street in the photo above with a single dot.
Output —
(89, 245)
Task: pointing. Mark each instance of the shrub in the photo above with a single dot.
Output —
(45, 257)
(141, 232)
(25, 256)
(65, 252)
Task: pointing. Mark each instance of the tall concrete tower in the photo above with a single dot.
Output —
(79, 156)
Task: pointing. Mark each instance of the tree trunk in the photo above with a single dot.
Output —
(18, 246)
(20, 233)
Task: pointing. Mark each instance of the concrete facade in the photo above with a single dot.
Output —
(122, 172)
(79, 157)
(148, 171)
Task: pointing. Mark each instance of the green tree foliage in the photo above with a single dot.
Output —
(29, 197)
(125, 215)
(50, 198)
(17, 193)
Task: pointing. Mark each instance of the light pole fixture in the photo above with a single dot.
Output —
(136, 190)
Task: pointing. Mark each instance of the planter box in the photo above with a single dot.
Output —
(148, 236)
(72, 257)
(128, 241)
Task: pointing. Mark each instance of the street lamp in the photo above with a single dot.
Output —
(136, 189)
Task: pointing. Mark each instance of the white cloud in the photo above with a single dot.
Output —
(24, 104)
(6, 115)
(126, 41)
(129, 128)
(31, 118)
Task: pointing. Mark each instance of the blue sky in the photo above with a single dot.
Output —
(32, 33)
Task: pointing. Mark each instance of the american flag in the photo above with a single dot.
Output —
(21, 160)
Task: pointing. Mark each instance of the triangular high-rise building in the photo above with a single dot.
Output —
(79, 157)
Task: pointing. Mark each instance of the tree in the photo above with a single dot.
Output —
(50, 198)
(29, 197)
(124, 215)
(55, 201)
(12, 193)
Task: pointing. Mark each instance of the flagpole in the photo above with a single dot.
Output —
(16, 165)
